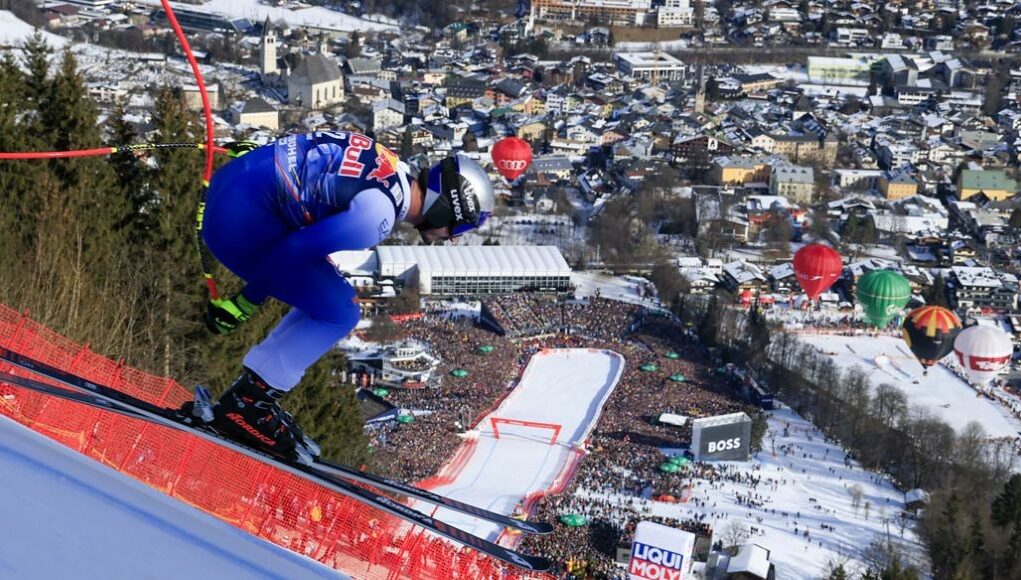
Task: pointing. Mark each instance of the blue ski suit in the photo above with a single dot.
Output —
(276, 213)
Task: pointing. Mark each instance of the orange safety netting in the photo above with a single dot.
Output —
(272, 504)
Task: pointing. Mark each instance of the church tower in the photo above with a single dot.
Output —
(268, 51)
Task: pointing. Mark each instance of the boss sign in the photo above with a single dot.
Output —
(660, 553)
(725, 445)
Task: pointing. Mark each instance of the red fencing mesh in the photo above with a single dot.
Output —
(274, 505)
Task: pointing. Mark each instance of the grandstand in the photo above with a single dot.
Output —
(463, 270)
(204, 21)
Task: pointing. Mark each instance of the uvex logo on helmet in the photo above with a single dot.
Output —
(467, 195)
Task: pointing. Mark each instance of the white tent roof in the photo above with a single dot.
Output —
(473, 260)
(751, 559)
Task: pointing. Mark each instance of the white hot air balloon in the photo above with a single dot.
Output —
(983, 352)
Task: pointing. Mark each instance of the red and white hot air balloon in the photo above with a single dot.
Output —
(983, 352)
(512, 156)
(817, 267)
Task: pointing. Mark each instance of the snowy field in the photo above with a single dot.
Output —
(805, 483)
(253, 10)
(563, 386)
(941, 392)
(66, 516)
(14, 32)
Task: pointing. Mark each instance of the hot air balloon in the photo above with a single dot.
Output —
(883, 293)
(983, 352)
(817, 267)
(930, 332)
(512, 156)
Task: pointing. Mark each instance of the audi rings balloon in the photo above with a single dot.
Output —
(817, 267)
(512, 157)
(983, 352)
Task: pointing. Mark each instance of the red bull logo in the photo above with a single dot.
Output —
(386, 165)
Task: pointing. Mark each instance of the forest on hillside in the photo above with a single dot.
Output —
(103, 249)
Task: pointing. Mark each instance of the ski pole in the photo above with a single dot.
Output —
(100, 151)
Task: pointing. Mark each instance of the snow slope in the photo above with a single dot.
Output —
(63, 515)
(805, 483)
(253, 10)
(14, 32)
(941, 392)
(563, 386)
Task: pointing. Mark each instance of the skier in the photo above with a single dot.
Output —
(273, 216)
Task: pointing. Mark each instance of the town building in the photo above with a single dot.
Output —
(794, 182)
(978, 289)
(623, 12)
(675, 14)
(993, 184)
(896, 185)
(650, 66)
(315, 83)
(258, 113)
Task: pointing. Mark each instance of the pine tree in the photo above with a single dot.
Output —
(175, 282)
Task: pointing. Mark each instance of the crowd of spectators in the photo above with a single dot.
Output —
(624, 449)
(523, 315)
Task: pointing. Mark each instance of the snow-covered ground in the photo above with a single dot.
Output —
(14, 32)
(805, 483)
(622, 288)
(941, 392)
(563, 386)
(63, 515)
(255, 11)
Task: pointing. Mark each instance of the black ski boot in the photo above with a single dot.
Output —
(248, 412)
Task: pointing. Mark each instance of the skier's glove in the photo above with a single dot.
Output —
(236, 149)
(225, 315)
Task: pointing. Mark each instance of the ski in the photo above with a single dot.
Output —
(327, 468)
(413, 492)
(88, 393)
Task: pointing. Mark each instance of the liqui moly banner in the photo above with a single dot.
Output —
(660, 553)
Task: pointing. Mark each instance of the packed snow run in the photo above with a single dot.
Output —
(566, 387)
(886, 359)
(67, 516)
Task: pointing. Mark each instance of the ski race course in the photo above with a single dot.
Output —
(565, 387)
(64, 512)
(886, 359)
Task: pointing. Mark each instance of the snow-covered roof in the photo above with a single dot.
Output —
(473, 260)
(751, 559)
(720, 420)
(976, 277)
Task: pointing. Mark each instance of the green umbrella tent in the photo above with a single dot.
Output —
(573, 520)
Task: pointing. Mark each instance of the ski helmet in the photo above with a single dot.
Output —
(458, 195)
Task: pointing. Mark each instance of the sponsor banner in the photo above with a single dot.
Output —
(660, 553)
(729, 441)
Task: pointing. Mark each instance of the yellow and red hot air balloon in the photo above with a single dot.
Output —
(929, 332)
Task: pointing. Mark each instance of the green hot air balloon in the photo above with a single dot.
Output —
(883, 293)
